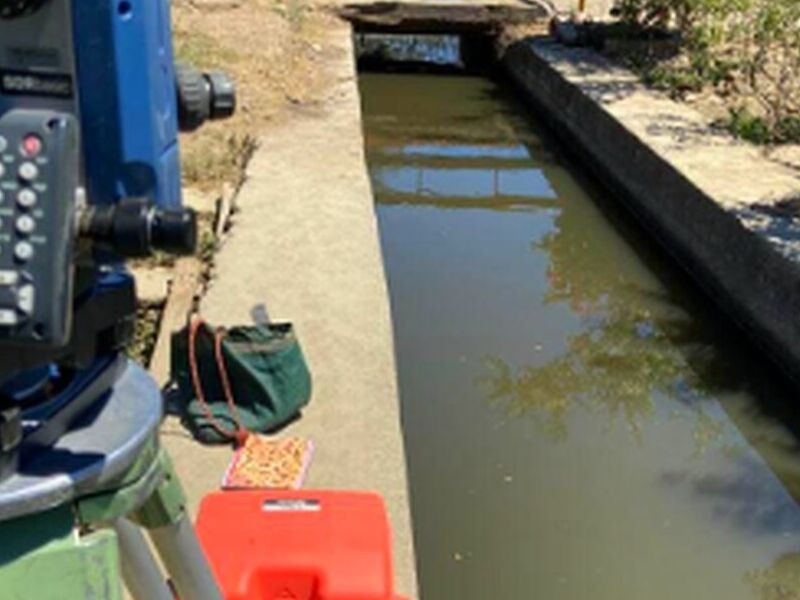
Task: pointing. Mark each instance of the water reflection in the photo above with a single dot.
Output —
(640, 342)
(577, 427)
(476, 184)
(431, 49)
(635, 345)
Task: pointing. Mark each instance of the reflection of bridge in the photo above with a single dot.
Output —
(460, 175)
(494, 203)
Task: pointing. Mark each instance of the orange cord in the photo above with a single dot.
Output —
(241, 432)
(239, 436)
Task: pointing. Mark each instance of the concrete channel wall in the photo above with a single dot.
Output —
(719, 206)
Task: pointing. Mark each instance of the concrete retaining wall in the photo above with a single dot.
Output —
(697, 190)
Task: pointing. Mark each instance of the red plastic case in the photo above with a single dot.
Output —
(298, 545)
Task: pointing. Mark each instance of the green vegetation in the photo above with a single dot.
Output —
(207, 242)
(780, 581)
(747, 51)
(756, 129)
(145, 333)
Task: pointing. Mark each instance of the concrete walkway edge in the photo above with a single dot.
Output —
(305, 246)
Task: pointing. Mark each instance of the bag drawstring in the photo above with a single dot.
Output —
(240, 435)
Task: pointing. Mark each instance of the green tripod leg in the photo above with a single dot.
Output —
(165, 517)
(154, 500)
(43, 557)
(73, 551)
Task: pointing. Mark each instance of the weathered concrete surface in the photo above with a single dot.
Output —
(594, 8)
(422, 17)
(305, 245)
(720, 206)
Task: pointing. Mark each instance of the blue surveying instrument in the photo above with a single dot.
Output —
(91, 103)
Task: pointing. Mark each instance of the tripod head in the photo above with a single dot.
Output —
(91, 103)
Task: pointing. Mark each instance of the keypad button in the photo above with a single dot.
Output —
(26, 297)
(2, 169)
(2, 196)
(26, 198)
(9, 277)
(8, 317)
(23, 251)
(31, 145)
(3, 144)
(26, 224)
(28, 171)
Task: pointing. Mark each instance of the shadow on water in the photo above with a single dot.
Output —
(580, 423)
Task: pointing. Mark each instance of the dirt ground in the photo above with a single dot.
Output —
(272, 49)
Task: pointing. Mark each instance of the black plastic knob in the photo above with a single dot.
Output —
(11, 9)
(203, 96)
(194, 107)
(223, 95)
(135, 228)
(174, 231)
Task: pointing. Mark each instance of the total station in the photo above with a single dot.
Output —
(91, 103)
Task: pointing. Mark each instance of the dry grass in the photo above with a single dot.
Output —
(272, 48)
(148, 319)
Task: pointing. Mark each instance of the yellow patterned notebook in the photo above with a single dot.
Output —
(269, 463)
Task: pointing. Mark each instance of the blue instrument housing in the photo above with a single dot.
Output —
(110, 64)
(90, 109)
(127, 100)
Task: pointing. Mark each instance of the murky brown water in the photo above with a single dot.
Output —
(579, 424)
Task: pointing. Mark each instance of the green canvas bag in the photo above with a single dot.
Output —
(232, 382)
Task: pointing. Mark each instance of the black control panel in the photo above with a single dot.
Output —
(11, 9)
(39, 169)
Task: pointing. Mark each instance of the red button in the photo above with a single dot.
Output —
(31, 145)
